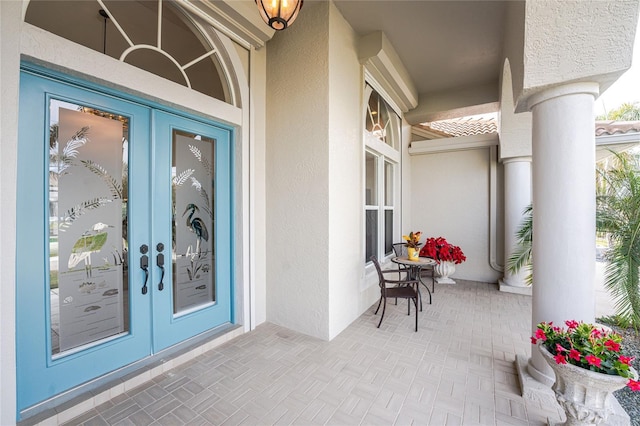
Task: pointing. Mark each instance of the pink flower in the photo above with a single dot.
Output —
(626, 359)
(559, 348)
(540, 335)
(634, 385)
(571, 324)
(595, 333)
(560, 359)
(534, 340)
(593, 360)
(574, 354)
(612, 346)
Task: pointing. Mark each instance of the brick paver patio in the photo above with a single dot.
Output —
(458, 369)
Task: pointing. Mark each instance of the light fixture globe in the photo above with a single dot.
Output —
(279, 14)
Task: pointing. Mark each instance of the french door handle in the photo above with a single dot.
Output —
(160, 263)
(144, 265)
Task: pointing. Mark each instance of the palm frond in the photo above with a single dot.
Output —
(618, 215)
(62, 161)
(181, 178)
(79, 209)
(115, 187)
(521, 257)
(70, 150)
(205, 163)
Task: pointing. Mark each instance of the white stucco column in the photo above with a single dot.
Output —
(563, 209)
(10, 32)
(517, 196)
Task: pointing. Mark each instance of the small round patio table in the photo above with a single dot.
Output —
(414, 267)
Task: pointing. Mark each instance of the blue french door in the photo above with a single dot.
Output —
(123, 232)
(191, 186)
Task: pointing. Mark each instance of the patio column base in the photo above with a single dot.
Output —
(534, 390)
(508, 288)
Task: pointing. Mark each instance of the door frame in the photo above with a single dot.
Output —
(189, 343)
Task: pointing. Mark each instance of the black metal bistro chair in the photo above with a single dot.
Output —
(400, 289)
(399, 249)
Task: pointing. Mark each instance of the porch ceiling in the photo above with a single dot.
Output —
(445, 45)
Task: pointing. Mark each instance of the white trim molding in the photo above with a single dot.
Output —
(238, 20)
(453, 144)
(382, 62)
(617, 139)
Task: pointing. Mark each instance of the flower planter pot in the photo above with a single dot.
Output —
(443, 270)
(412, 253)
(583, 394)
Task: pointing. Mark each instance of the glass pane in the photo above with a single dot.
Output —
(371, 179)
(388, 232)
(388, 184)
(88, 168)
(182, 41)
(193, 222)
(80, 22)
(393, 131)
(381, 121)
(372, 111)
(384, 122)
(372, 234)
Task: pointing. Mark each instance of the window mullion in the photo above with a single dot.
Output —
(381, 209)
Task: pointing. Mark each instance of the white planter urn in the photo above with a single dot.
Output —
(583, 394)
(443, 270)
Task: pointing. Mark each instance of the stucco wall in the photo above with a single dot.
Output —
(315, 176)
(345, 176)
(450, 198)
(10, 17)
(513, 44)
(567, 41)
(515, 129)
(297, 174)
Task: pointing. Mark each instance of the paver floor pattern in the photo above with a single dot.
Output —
(458, 369)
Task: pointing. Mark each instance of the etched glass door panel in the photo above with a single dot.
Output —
(80, 311)
(109, 185)
(88, 160)
(193, 172)
(193, 202)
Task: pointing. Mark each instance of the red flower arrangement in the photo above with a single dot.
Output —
(442, 251)
(588, 347)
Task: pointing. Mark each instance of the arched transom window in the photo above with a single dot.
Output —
(154, 35)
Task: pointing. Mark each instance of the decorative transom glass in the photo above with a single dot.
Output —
(381, 121)
(155, 35)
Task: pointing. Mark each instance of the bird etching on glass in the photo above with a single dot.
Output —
(91, 241)
(196, 225)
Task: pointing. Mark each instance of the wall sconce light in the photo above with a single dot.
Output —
(279, 14)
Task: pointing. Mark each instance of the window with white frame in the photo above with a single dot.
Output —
(382, 170)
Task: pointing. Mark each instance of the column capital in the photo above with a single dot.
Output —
(587, 87)
(521, 159)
